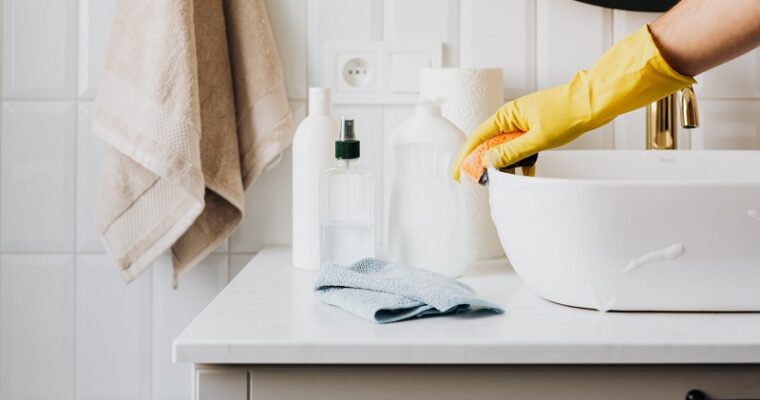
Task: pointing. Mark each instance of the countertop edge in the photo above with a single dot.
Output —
(466, 355)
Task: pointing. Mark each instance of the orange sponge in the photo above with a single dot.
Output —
(473, 164)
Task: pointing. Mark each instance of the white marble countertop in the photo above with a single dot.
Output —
(269, 315)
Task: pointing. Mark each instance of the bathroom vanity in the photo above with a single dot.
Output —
(267, 337)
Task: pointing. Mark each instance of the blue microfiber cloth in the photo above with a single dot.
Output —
(384, 292)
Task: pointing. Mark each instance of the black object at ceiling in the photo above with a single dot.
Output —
(634, 5)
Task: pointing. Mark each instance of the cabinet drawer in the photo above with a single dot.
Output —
(502, 382)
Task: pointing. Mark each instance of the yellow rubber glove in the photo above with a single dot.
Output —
(631, 74)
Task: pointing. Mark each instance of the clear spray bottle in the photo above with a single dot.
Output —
(347, 215)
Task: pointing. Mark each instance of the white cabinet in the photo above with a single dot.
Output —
(590, 382)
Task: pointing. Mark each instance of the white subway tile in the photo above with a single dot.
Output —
(501, 34)
(268, 215)
(599, 138)
(339, 20)
(91, 151)
(736, 79)
(630, 130)
(571, 36)
(627, 22)
(94, 27)
(728, 125)
(268, 204)
(38, 176)
(39, 49)
(113, 328)
(424, 20)
(288, 21)
(36, 327)
(173, 310)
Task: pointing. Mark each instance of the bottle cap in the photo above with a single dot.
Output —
(320, 101)
(432, 107)
(347, 147)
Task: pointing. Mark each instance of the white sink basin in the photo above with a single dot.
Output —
(635, 230)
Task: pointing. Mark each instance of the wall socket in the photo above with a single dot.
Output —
(375, 72)
(357, 73)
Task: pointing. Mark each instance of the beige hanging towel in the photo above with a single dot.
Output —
(193, 106)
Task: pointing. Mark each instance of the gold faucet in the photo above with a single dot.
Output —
(662, 133)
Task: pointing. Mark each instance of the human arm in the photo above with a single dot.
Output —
(697, 35)
(632, 73)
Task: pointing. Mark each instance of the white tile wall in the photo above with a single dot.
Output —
(728, 124)
(65, 313)
(339, 19)
(37, 326)
(496, 33)
(172, 312)
(267, 204)
(39, 49)
(403, 22)
(289, 26)
(38, 175)
(570, 36)
(113, 332)
(91, 151)
(736, 79)
(94, 24)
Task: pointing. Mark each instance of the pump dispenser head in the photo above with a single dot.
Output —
(347, 147)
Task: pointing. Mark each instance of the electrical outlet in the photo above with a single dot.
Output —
(374, 72)
(356, 72)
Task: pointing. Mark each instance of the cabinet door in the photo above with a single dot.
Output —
(220, 384)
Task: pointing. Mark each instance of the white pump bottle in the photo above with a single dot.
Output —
(313, 148)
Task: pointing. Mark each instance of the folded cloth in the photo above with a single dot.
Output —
(193, 107)
(384, 292)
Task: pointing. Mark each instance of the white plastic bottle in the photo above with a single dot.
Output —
(426, 220)
(347, 204)
(312, 153)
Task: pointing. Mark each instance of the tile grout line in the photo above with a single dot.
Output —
(75, 336)
(2, 136)
(150, 334)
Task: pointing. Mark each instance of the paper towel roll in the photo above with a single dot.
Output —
(471, 96)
